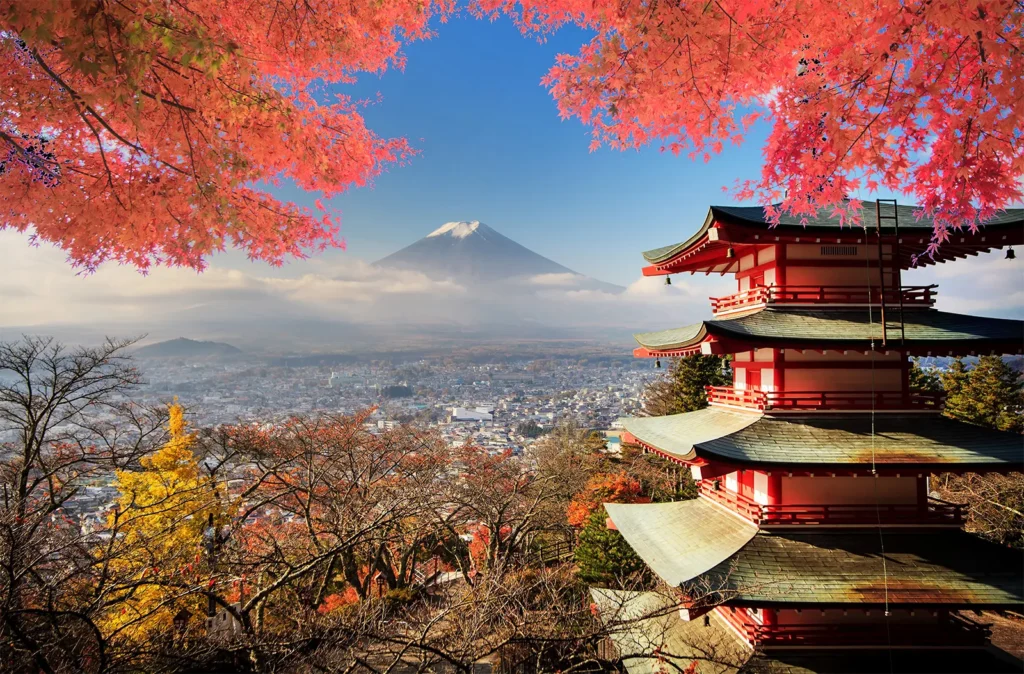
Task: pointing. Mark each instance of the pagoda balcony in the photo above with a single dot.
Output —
(845, 296)
(933, 512)
(956, 631)
(803, 401)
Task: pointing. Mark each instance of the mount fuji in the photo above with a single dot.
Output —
(475, 254)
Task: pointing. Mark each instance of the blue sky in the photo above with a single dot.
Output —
(494, 149)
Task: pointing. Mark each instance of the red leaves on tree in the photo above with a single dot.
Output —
(141, 132)
(603, 488)
(918, 98)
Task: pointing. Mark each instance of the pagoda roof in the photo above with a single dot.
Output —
(648, 633)
(826, 223)
(887, 661)
(829, 567)
(646, 630)
(938, 567)
(827, 439)
(925, 330)
(709, 534)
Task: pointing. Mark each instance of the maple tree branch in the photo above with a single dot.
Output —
(79, 101)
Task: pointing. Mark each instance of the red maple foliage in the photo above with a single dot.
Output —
(917, 97)
(603, 488)
(144, 131)
(141, 131)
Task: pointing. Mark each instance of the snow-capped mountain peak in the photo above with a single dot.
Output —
(477, 255)
(458, 230)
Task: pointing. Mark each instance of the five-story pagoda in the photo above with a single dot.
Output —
(815, 544)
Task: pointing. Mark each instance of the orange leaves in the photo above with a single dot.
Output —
(603, 488)
(333, 602)
(143, 127)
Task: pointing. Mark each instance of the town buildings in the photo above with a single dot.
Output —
(815, 544)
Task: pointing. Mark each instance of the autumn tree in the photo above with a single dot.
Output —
(159, 528)
(66, 421)
(146, 132)
(660, 480)
(506, 502)
(569, 456)
(603, 488)
(918, 98)
(683, 387)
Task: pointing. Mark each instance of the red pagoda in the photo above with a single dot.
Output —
(815, 544)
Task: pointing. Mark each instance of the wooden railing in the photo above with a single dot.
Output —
(824, 400)
(954, 632)
(912, 296)
(933, 511)
(732, 500)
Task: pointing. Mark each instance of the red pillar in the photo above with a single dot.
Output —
(774, 489)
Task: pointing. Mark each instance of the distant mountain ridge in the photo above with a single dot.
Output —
(474, 253)
(182, 347)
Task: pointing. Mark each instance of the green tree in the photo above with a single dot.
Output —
(682, 389)
(605, 559)
(924, 380)
(954, 379)
(989, 394)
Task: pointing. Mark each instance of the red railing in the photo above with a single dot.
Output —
(957, 631)
(914, 296)
(732, 500)
(824, 400)
(934, 511)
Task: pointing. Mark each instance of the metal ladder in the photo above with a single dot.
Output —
(892, 259)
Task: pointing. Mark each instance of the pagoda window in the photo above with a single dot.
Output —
(747, 484)
(766, 255)
(732, 482)
(739, 379)
(760, 488)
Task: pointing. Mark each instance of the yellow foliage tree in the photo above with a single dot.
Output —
(159, 526)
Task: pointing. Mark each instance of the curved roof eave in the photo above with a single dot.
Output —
(827, 440)
(818, 328)
(822, 223)
(680, 434)
(674, 338)
(681, 540)
(666, 253)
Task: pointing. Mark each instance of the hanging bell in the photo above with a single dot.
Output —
(668, 280)
(1010, 255)
(730, 253)
(657, 363)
